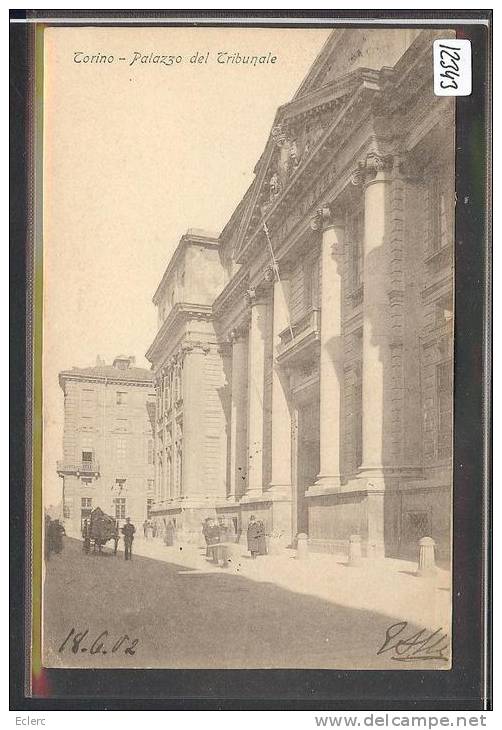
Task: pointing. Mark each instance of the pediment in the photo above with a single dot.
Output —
(297, 132)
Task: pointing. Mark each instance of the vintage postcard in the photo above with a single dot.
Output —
(248, 249)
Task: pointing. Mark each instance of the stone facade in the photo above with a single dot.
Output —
(311, 360)
(108, 456)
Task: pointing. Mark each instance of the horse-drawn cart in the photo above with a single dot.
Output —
(98, 529)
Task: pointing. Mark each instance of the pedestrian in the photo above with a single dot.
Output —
(145, 528)
(205, 531)
(86, 534)
(213, 540)
(149, 530)
(128, 531)
(116, 538)
(223, 529)
(169, 534)
(231, 531)
(256, 537)
(56, 536)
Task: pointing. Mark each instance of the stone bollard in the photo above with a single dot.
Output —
(426, 558)
(302, 547)
(354, 550)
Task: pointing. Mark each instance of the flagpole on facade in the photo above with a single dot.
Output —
(275, 268)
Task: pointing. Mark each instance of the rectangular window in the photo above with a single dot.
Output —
(444, 400)
(150, 486)
(119, 486)
(87, 442)
(439, 234)
(86, 502)
(121, 424)
(149, 505)
(120, 508)
(87, 456)
(168, 489)
(88, 399)
(444, 309)
(121, 449)
(86, 482)
(121, 398)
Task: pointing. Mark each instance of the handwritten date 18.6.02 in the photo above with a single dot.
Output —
(80, 642)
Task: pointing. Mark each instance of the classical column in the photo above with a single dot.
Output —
(238, 415)
(331, 355)
(191, 427)
(256, 381)
(280, 483)
(376, 365)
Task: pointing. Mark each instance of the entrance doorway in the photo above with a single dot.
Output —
(308, 458)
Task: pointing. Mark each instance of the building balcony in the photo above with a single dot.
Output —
(78, 467)
(297, 340)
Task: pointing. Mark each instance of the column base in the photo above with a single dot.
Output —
(325, 484)
(279, 491)
(251, 497)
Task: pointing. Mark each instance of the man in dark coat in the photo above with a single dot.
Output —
(128, 531)
(256, 537)
(213, 539)
(56, 533)
(86, 534)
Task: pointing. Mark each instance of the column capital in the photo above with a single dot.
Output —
(237, 334)
(326, 217)
(255, 295)
(194, 347)
(368, 168)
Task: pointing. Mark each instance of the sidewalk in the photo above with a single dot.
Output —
(387, 586)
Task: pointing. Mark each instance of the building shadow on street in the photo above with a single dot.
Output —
(184, 618)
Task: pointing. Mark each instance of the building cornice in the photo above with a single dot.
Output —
(179, 314)
(105, 380)
(235, 288)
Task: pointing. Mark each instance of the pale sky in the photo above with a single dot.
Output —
(133, 156)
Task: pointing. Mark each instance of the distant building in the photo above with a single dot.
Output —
(304, 357)
(193, 396)
(107, 442)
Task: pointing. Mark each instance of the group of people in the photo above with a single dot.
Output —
(222, 530)
(217, 532)
(53, 536)
(149, 529)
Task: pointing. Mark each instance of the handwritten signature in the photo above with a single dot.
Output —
(80, 642)
(422, 645)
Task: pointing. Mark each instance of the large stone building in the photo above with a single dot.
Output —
(303, 360)
(107, 462)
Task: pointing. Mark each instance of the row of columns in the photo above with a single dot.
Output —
(248, 359)
(375, 178)
(248, 401)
